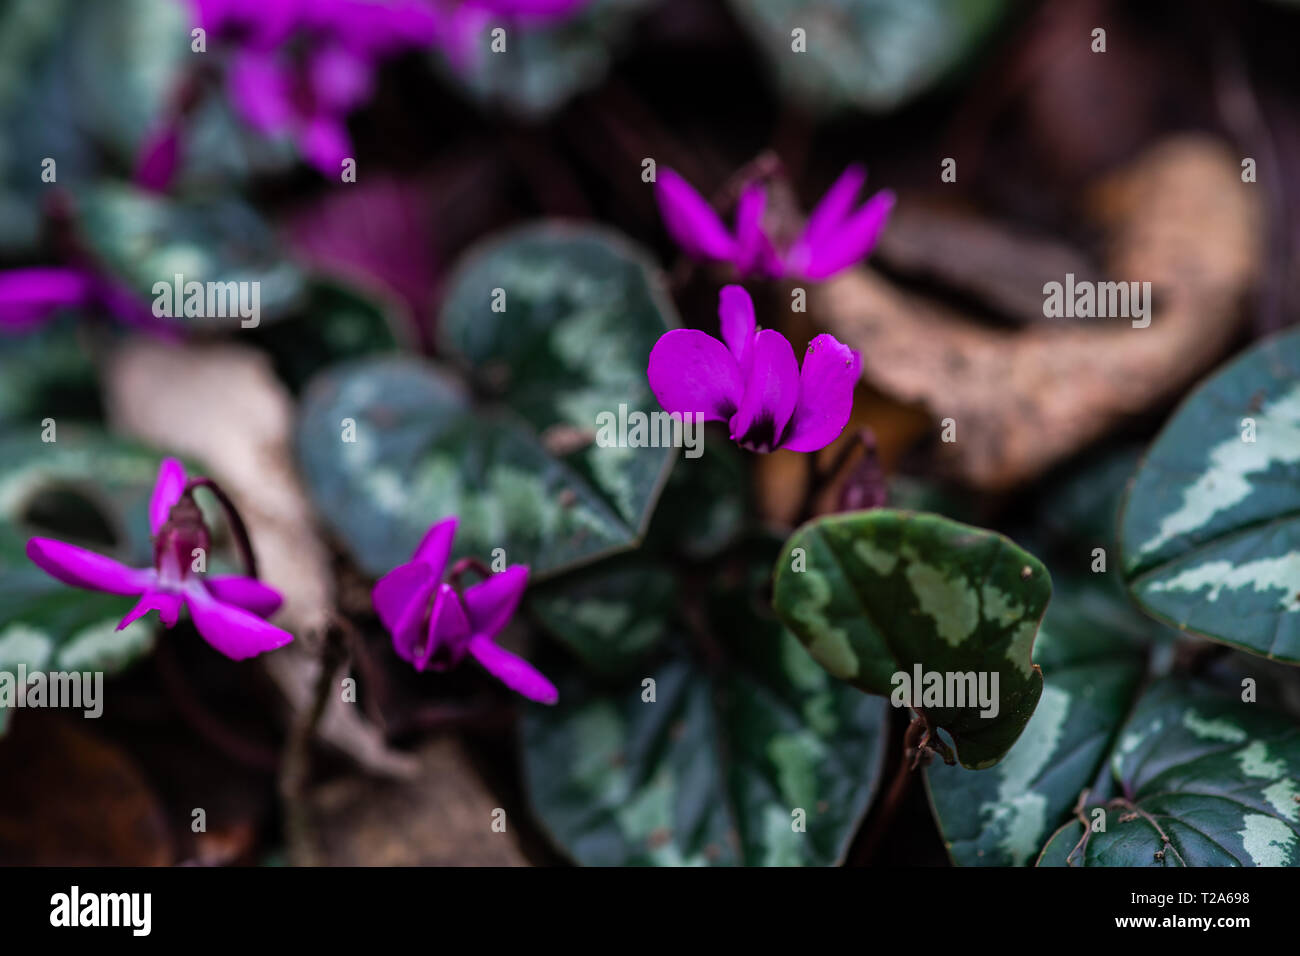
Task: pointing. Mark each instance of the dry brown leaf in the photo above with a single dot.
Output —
(223, 406)
(1179, 217)
(443, 817)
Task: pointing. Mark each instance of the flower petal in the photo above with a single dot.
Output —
(690, 220)
(736, 313)
(770, 393)
(167, 490)
(394, 592)
(513, 671)
(835, 206)
(260, 87)
(166, 603)
(324, 142)
(340, 79)
(86, 569)
(826, 383)
(753, 249)
(233, 631)
(409, 631)
(491, 603)
(30, 296)
(249, 593)
(851, 241)
(435, 546)
(448, 633)
(691, 372)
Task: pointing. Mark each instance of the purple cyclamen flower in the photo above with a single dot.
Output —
(227, 611)
(835, 237)
(33, 296)
(753, 382)
(434, 625)
(300, 66)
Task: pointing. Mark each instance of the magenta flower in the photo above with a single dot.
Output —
(835, 236)
(753, 382)
(31, 297)
(300, 66)
(227, 611)
(435, 624)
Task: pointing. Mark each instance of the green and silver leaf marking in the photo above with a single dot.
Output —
(1211, 528)
(1202, 780)
(881, 591)
(577, 312)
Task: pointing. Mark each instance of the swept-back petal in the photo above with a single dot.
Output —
(835, 206)
(448, 633)
(409, 631)
(826, 382)
(166, 603)
(690, 220)
(491, 603)
(513, 671)
(231, 630)
(691, 372)
(435, 546)
(770, 393)
(30, 296)
(851, 241)
(86, 569)
(753, 249)
(736, 314)
(249, 593)
(394, 592)
(167, 490)
(260, 86)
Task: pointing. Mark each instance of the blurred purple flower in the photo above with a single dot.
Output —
(753, 381)
(835, 237)
(31, 297)
(300, 66)
(227, 611)
(435, 625)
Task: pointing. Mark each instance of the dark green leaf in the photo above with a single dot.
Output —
(520, 467)
(146, 239)
(874, 594)
(1204, 780)
(1211, 528)
(746, 739)
(873, 54)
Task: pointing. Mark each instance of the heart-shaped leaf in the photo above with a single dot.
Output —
(45, 373)
(1091, 651)
(873, 54)
(146, 239)
(875, 594)
(742, 751)
(1211, 528)
(543, 64)
(1204, 780)
(555, 323)
(81, 84)
(90, 489)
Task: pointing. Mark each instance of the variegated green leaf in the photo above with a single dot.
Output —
(1211, 529)
(748, 753)
(873, 54)
(544, 64)
(552, 324)
(1091, 651)
(1202, 780)
(91, 489)
(879, 593)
